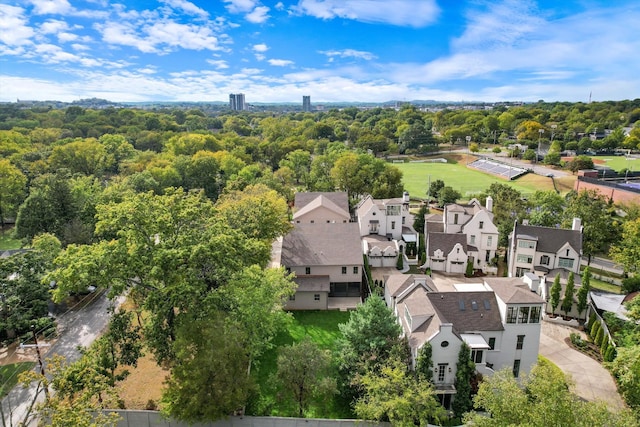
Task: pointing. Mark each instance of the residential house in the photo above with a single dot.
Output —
(386, 220)
(472, 224)
(499, 319)
(542, 250)
(323, 250)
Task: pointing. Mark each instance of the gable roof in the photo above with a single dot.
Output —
(340, 198)
(322, 244)
(398, 283)
(321, 201)
(445, 242)
(511, 290)
(549, 239)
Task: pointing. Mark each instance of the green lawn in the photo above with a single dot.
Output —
(617, 163)
(6, 242)
(322, 328)
(466, 180)
(9, 376)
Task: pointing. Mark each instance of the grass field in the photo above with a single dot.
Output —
(322, 328)
(618, 163)
(468, 181)
(6, 242)
(9, 375)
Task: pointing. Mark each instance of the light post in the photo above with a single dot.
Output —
(540, 131)
(468, 138)
(553, 131)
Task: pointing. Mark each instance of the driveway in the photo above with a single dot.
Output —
(592, 380)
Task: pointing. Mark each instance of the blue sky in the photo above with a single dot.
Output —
(332, 50)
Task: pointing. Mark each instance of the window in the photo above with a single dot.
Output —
(403, 222)
(455, 218)
(312, 221)
(567, 252)
(292, 297)
(534, 315)
(344, 270)
(476, 356)
(512, 314)
(565, 262)
(393, 210)
(481, 225)
(473, 239)
(527, 259)
(520, 342)
(307, 270)
(316, 297)
(442, 368)
(355, 270)
(492, 343)
(524, 315)
(516, 368)
(526, 244)
(489, 241)
(544, 260)
(393, 225)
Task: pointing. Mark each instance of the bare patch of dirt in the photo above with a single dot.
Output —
(144, 383)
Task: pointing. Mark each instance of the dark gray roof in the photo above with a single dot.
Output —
(445, 242)
(339, 198)
(511, 290)
(312, 283)
(550, 239)
(322, 244)
(435, 227)
(467, 311)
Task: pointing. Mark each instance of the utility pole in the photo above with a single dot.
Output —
(40, 363)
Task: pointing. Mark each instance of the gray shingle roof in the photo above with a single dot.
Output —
(322, 244)
(511, 290)
(467, 311)
(550, 239)
(445, 242)
(339, 198)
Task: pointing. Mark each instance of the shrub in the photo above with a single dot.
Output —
(594, 331)
(151, 405)
(631, 284)
(469, 271)
(577, 340)
(589, 324)
(599, 337)
(610, 354)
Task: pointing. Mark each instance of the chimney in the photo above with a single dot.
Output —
(577, 224)
(489, 203)
(405, 198)
(525, 222)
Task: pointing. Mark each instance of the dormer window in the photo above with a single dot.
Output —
(481, 225)
(455, 218)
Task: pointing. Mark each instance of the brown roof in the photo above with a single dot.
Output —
(398, 283)
(321, 201)
(339, 198)
(511, 290)
(550, 239)
(445, 242)
(322, 244)
(467, 311)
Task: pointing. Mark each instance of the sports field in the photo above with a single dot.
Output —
(618, 163)
(468, 181)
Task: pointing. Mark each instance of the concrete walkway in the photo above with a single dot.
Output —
(592, 380)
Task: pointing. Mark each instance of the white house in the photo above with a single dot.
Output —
(447, 252)
(385, 220)
(471, 220)
(317, 207)
(541, 250)
(498, 319)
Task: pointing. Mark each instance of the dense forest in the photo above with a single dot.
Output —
(177, 209)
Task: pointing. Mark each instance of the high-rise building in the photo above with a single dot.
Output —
(306, 103)
(236, 101)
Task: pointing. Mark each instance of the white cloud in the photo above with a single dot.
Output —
(348, 53)
(81, 47)
(218, 63)
(260, 47)
(410, 13)
(240, 6)
(45, 7)
(259, 15)
(280, 62)
(53, 26)
(260, 57)
(279, 6)
(14, 30)
(186, 7)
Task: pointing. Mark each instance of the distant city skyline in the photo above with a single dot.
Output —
(331, 50)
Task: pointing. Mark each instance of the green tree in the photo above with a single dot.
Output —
(418, 219)
(448, 195)
(12, 189)
(567, 301)
(424, 363)
(626, 251)
(583, 292)
(547, 208)
(626, 369)
(595, 212)
(556, 288)
(394, 394)
(303, 373)
(579, 163)
(435, 187)
(508, 206)
(465, 369)
(540, 399)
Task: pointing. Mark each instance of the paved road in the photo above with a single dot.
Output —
(77, 328)
(592, 381)
(604, 264)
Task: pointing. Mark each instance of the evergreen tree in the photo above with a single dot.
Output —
(464, 372)
(555, 293)
(424, 363)
(567, 302)
(583, 292)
